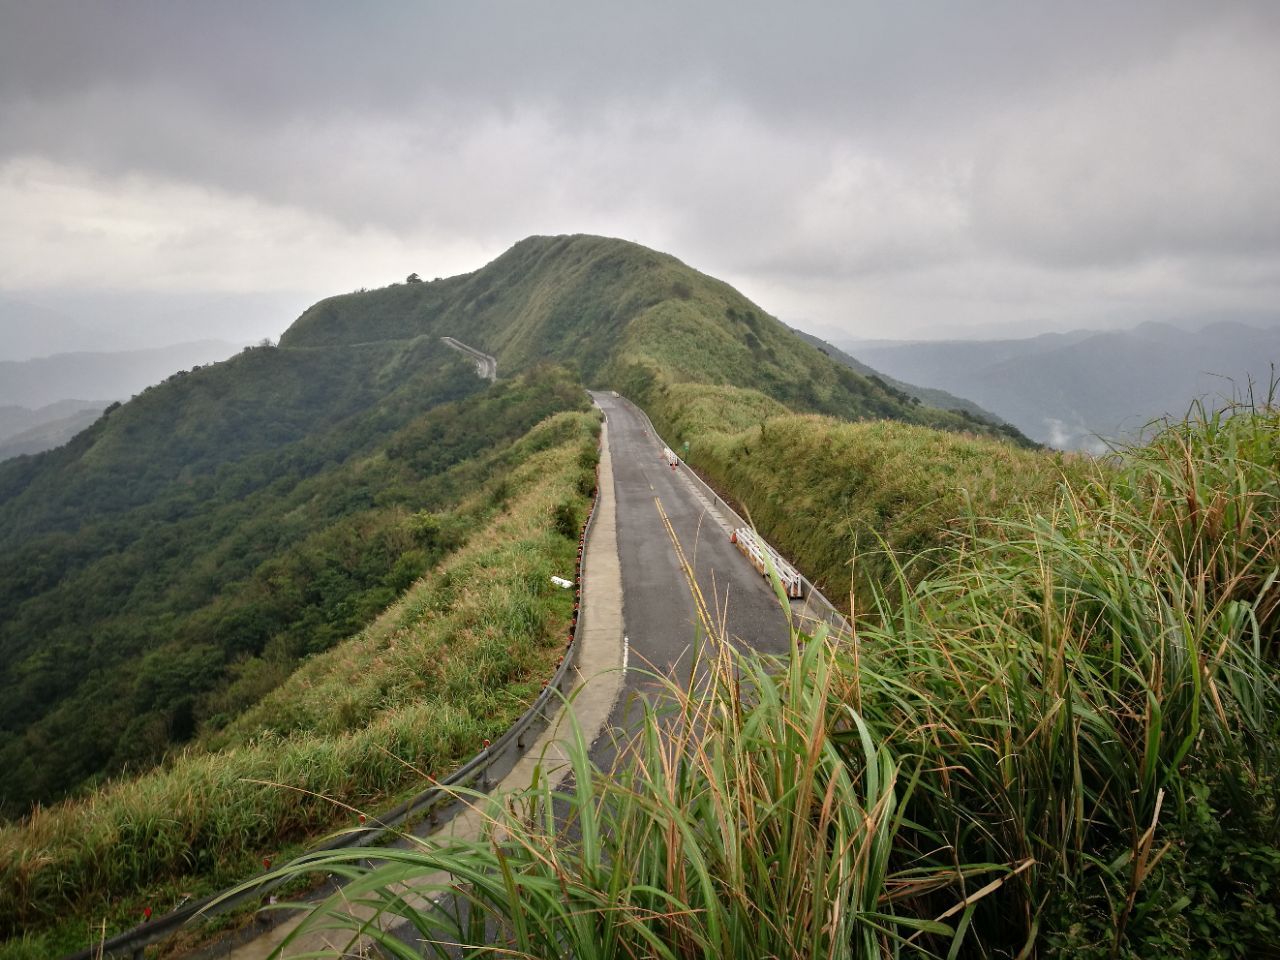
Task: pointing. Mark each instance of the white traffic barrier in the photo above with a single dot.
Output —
(756, 551)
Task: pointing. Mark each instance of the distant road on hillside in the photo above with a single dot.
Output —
(486, 366)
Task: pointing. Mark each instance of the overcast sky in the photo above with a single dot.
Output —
(888, 169)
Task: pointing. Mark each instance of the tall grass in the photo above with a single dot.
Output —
(733, 825)
(1089, 683)
(1061, 742)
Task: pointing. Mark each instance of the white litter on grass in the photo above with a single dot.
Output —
(562, 582)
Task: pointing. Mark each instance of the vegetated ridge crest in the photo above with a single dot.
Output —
(625, 316)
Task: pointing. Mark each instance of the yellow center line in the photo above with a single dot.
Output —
(699, 602)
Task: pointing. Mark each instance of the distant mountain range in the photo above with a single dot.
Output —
(1079, 390)
(27, 330)
(100, 376)
(30, 431)
(46, 401)
(934, 398)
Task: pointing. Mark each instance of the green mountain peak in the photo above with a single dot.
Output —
(626, 317)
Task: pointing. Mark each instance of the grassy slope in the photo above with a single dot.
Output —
(833, 495)
(626, 317)
(454, 661)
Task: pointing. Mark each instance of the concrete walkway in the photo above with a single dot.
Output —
(599, 677)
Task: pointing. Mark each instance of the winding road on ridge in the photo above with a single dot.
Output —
(660, 571)
(486, 366)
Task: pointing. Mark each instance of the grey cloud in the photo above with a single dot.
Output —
(913, 159)
(1174, 158)
(850, 55)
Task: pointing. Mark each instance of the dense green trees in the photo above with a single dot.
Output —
(174, 563)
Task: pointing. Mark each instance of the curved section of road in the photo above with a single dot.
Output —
(486, 366)
(813, 607)
(666, 516)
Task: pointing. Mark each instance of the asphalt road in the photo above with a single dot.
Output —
(666, 530)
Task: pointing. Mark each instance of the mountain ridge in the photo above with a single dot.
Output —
(48, 427)
(935, 398)
(624, 316)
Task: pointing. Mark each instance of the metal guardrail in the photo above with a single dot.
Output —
(737, 521)
(439, 803)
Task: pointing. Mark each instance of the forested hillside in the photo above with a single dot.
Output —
(453, 661)
(177, 560)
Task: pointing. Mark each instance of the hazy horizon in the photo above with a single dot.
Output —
(252, 318)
